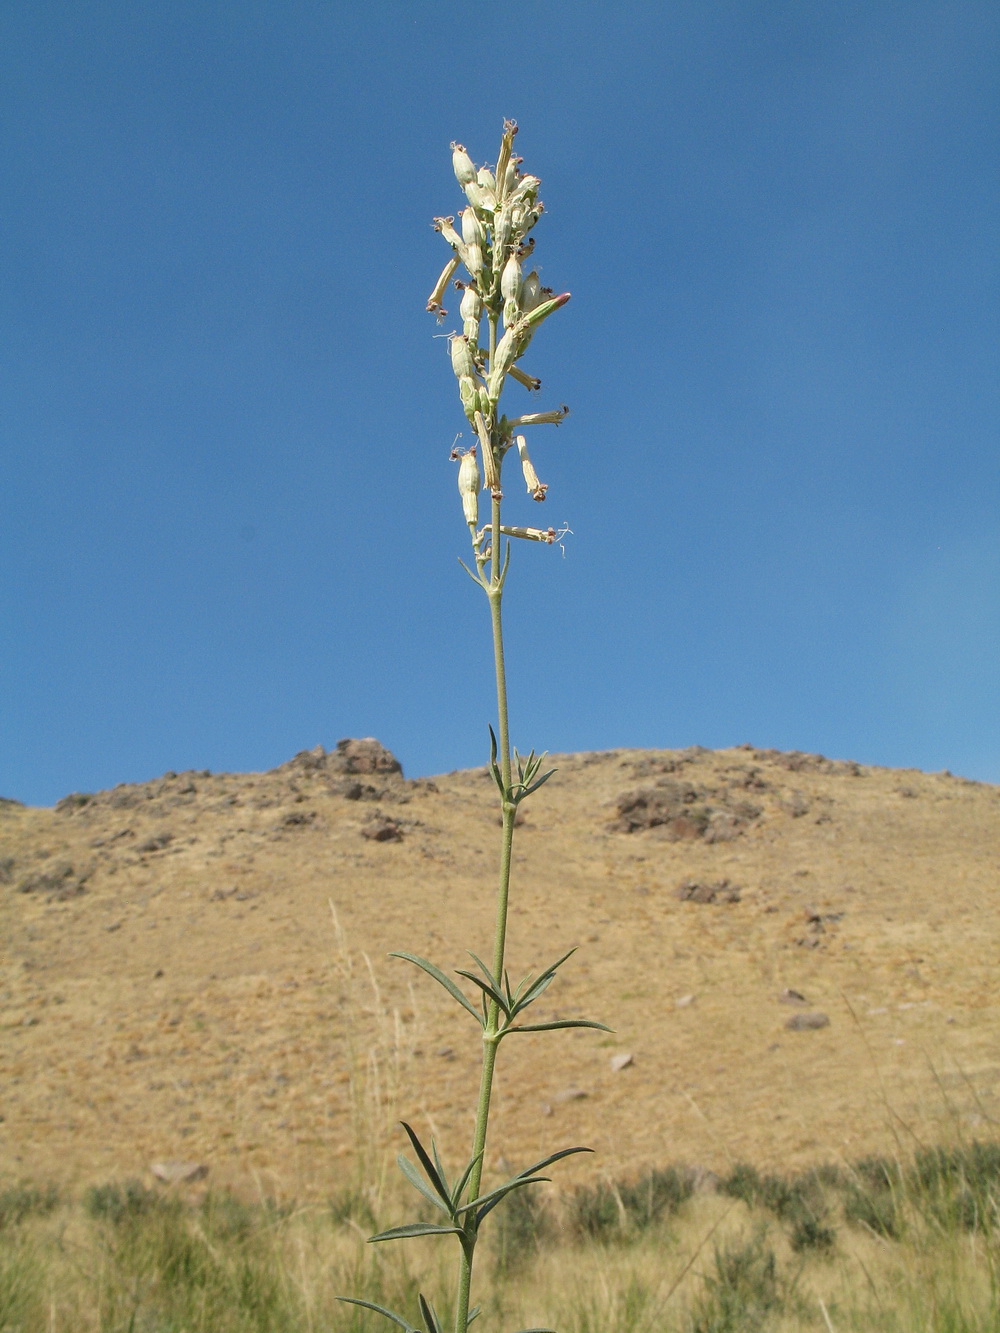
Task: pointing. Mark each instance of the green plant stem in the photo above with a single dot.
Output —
(509, 811)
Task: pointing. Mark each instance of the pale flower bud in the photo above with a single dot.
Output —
(506, 354)
(478, 197)
(473, 232)
(462, 361)
(526, 190)
(510, 177)
(510, 279)
(465, 170)
(471, 311)
(470, 483)
(540, 312)
(531, 291)
(474, 260)
(502, 231)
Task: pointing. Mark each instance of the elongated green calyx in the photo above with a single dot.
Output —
(491, 241)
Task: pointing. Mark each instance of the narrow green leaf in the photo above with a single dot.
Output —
(543, 980)
(543, 1162)
(487, 1202)
(540, 783)
(380, 1309)
(417, 1181)
(456, 1193)
(528, 1176)
(440, 977)
(414, 1229)
(427, 1310)
(430, 1170)
(475, 1312)
(440, 1166)
(495, 767)
(559, 1023)
(494, 981)
(474, 577)
(487, 989)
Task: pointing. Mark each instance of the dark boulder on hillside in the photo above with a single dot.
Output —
(365, 756)
(352, 756)
(683, 810)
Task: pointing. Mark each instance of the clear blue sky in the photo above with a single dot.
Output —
(230, 526)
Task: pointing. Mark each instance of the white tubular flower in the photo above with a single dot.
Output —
(536, 488)
(531, 534)
(434, 300)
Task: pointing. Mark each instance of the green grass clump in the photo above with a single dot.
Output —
(798, 1201)
(608, 1209)
(744, 1292)
(958, 1187)
(18, 1202)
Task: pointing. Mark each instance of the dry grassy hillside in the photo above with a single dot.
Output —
(173, 985)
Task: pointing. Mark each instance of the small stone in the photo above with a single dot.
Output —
(807, 1022)
(620, 1062)
(789, 996)
(684, 1001)
(570, 1095)
(179, 1173)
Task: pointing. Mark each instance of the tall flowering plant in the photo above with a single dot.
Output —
(493, 243)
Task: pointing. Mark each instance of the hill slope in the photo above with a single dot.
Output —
(174, 985)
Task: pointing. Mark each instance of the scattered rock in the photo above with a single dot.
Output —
(297, 819)
(570, 1095)
(179, 1173)
(789, 996)
(683, 810)
(620, 1062)
(807, 1022)
(156, 843)
(721, 891)
(380, 828)
(684, 1002)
